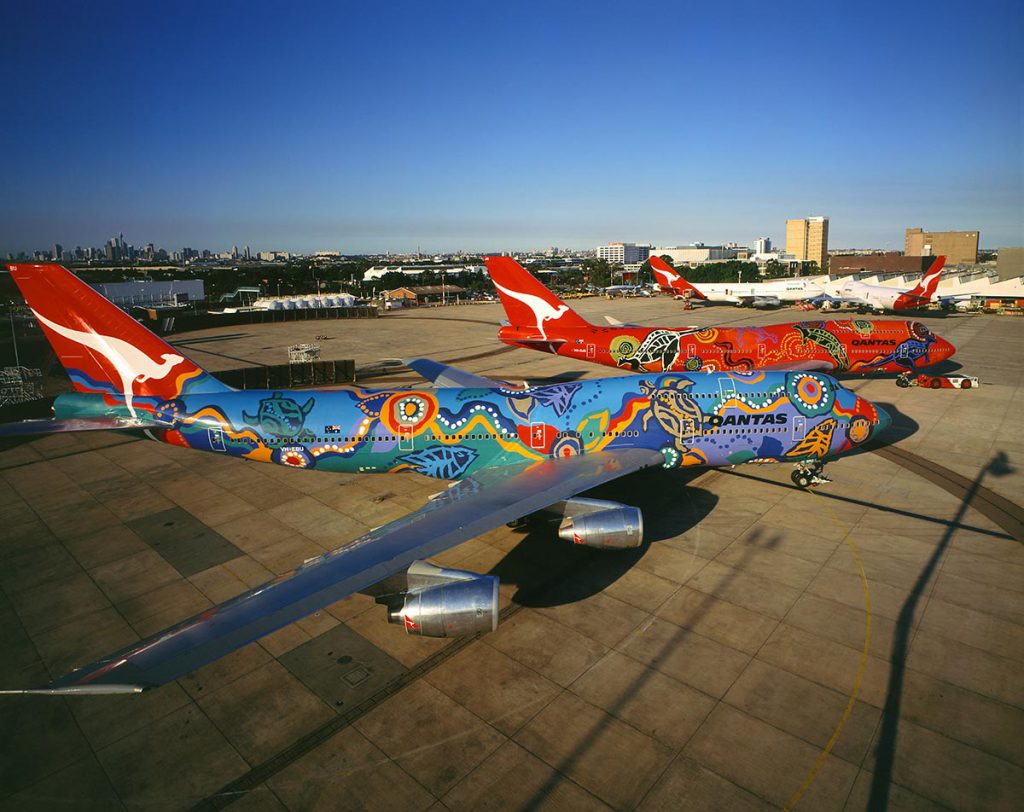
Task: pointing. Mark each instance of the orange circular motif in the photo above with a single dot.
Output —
(408, 410)
(859, 429)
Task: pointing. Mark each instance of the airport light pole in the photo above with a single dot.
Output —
(14, 336)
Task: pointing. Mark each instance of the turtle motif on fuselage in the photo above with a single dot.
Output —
(280, 416)
(674, 408)
(660, 345)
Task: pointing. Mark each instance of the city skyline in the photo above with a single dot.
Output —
(374, 130)
(150, 251)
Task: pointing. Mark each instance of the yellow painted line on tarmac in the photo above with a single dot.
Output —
(823, 756)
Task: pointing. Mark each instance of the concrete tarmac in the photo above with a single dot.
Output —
(858, 646)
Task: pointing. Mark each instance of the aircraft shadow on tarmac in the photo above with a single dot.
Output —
(552, 572)
(901, 427)
(947, 367)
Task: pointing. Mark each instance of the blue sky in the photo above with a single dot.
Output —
(372, 127)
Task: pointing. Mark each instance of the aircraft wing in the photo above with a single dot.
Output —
(444, 375)
(752, 299)
(956, 297)
(27, 428)
(472, 506)
(836, 300)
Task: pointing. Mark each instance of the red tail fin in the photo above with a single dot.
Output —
(526, 301)
(668, 277)
(102, 347)
(930, 281)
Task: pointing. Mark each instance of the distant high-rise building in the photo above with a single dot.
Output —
(807, 240)
(763, 245)
(956, 246)
(234, 252)
(248, 253)
(695, 254)
(623, 252)
(58, 251)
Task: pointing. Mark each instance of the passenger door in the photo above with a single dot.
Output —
(537, 436)
(216, 437)
(405, 438)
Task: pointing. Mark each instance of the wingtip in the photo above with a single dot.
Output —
(75, 690)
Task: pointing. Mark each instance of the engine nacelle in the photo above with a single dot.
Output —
(767, 301)
(616, 528)
(446, 603)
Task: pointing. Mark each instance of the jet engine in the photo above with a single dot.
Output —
(596, 523)
(767, 301)
(441, 602)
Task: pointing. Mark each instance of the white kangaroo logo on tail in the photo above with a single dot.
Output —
(928, 279)
(132, 365)
(542, 311)
(663, 276)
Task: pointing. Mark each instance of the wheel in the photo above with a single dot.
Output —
(903, 381)
(936, 384)
(965, 383)
(801, 479)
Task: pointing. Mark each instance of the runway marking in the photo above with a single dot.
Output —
(823, 756)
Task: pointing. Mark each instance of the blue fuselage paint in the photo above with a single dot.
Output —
(709, 419)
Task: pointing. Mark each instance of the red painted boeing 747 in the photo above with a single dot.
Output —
(539, 320)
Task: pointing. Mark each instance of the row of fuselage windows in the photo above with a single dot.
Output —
(381, 438)
(371, 438)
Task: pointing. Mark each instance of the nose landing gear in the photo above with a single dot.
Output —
(809, 473)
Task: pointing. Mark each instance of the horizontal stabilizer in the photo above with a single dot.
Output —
(444, 375)
(29, 428)
(540, 342)
(614, 322)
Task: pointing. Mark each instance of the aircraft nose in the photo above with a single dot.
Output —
(946, 350)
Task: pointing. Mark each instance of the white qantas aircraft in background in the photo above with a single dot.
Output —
(882, 297)
(744, 294)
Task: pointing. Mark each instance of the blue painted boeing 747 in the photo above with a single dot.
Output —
(513, 452)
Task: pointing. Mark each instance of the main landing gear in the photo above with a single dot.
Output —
(809, 473)
(903, 380)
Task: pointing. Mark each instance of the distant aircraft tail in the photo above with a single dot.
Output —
(527, 302)
(925, 289)
(668, 277)
(103, 349)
